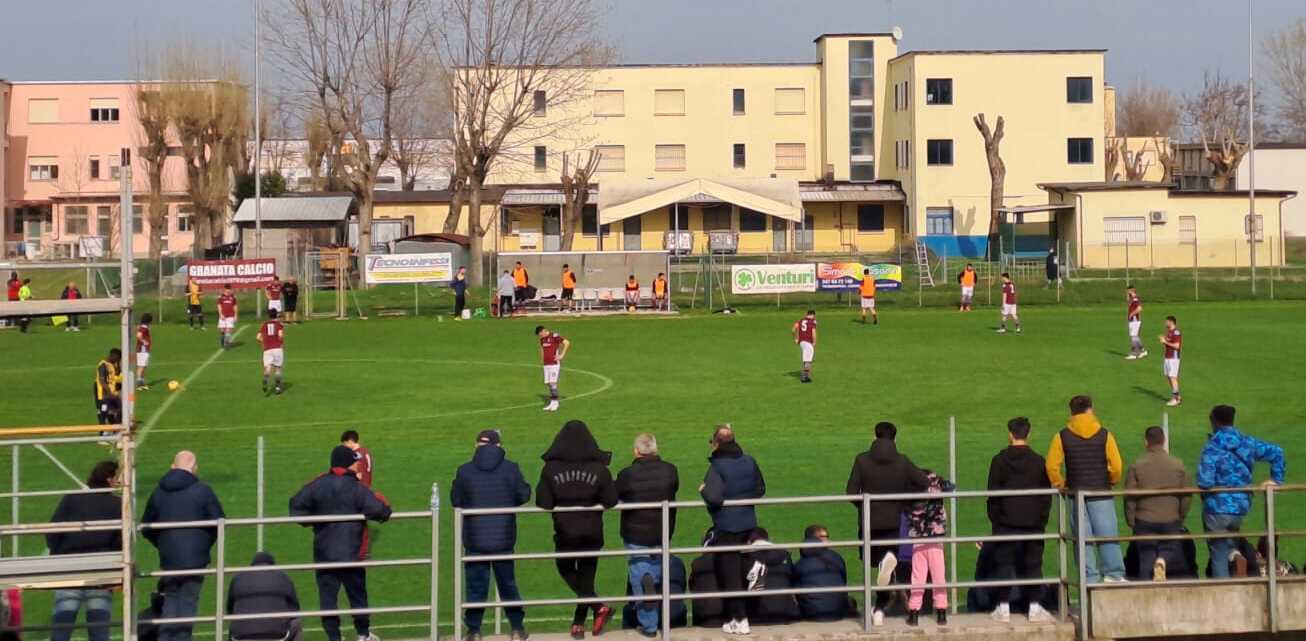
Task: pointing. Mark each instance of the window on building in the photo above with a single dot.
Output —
(897, 97)
(75, 220)
(43, 168)
(938, 152)
(669, 102)
(609, 102)
(611, 157)
(938, 221)
(750, 220)
(138, 219)
(938, 91)
(104, 110)
(1079, 89)
(870, 218)
(790, 100)
(1079, 151)
(669, 158)
(42, 111)
(541, 158)
(790, 155)
(541, 103)
(589, 221)
(737, 101)
(95, 168)
(672, 216)
(716, 218)
(1257, 224)
(740, 156)
(906, 94)
(114, 169)
(185, 217)
(1125, 230)
(861, 70)
(1187, 230)
(104, 220)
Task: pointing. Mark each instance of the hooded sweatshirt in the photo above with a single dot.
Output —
(1090, 454)
(1019, 467)
(181, 496)
(489, 480)
(732, 476)
(1227, 461)
(576, 474)
(882, 470)
(259, 593)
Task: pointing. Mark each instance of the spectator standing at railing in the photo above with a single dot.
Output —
(339, 492)
(732, 475)
(575, 474)
(883, 470)
(1092, 461)
(927, 519)
(102, 506)
(1157, 514)
(182, 496)
(649, 479)
(1019, 467)
(1227, 461)
(264, 593)
(490, 480)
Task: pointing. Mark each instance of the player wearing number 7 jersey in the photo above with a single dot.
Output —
(805, 338)
(272, 336)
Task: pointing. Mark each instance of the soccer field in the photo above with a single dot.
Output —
(419, 390)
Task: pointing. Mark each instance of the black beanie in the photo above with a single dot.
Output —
(343, 457)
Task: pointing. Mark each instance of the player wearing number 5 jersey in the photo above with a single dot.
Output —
(805, 338)
(272, 336)
(553, 347)
(1135, 318)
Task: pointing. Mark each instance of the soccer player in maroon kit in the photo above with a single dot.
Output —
(805, 338)
(1174, 344)
(1135, 315)
(553, 347)
(274, 295)
(272, 336)
(226, 317)
(143, 345)
(1009, 309)
(363, 468)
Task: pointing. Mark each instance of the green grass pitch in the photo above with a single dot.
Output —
(419, 390)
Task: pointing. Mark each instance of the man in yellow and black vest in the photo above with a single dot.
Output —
(108, 388)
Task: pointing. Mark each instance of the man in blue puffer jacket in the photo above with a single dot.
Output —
(490, 480)
(1227, 461)
(731, 475)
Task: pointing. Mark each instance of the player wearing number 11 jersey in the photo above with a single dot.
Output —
(272, 336)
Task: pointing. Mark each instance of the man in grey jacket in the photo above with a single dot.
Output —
(507, 289)
(1160, 513)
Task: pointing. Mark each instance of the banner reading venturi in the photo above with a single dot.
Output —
(385, 269)
(772, 279)
(246, 273)
(836, 277)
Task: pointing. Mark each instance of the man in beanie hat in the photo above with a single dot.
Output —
(490, 480)
(339, 492)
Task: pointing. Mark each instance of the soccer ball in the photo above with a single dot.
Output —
(631, 309)
(173, 386)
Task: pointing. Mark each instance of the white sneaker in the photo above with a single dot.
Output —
(741, 627)
(1114, 579)
(1173, 402)
(1002, 331)
(728, 627)
(369, 637)
(1158, 569)
(877, 618)
(1002, 613)
(887, 565)
(1132, 357)
(551, 407)
(1142, 353)
(1038, 615)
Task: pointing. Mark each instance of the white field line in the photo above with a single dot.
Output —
(172, 397)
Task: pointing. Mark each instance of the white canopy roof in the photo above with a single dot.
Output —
(623, 198)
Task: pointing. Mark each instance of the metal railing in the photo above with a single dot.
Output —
(1271, 533)
(865, 543)
(220, 569)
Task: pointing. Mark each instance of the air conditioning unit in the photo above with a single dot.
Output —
(1157, 217)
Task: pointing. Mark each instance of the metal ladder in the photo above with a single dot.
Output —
(923, 271)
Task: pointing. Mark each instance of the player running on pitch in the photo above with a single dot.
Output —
(1174, 343)
(1135, 315)
(868, 297)
(1008, 304)
(967, 279)
(227, 314)
(272, 335)
(553, 347)
(143, 344)
(805, 338)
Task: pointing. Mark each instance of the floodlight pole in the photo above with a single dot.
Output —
(1251, 147)
(126, 224)
(258, 152)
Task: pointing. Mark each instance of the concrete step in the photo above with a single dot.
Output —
(961, 626)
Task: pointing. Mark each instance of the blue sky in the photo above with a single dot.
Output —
(1168, 41)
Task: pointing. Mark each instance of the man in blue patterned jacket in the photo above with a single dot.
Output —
(1228, 461)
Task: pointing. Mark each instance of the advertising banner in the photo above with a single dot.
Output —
(385, 269)
(243, 273)
(844, 277)
(772, 279)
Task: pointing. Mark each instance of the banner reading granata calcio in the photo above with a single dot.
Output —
(242, 273)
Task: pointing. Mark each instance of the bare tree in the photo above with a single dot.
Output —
(575, 193)
(351, 60)
(503, 58)
(1145, 109)
(997, 168)
(1217, 114)
(416, 127)
(1284, 54)
(321, 154)
(152, 155)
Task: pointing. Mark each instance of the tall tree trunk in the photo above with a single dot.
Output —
(569, 218)
(217, 227)
(997, 171)
(476, 232)
(365, 199)
(456, 210)
(157, 207)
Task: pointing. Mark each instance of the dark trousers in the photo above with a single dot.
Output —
(72, 320)
(1019, 560)
(181, 598)
(579, 576)
(354, 581)
(1149, 550)
(729, 569)
(459, 303)
(505, 306)
(478, 589)
(882, 597)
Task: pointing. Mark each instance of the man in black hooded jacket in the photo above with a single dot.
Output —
(261, 593)
(339, 492)
(1019, 468)
(649, 479)
(101, 506)
(575, 474)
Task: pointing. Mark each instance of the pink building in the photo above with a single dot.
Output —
(61, 143)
